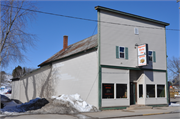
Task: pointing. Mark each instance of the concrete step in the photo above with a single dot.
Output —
(134, 107)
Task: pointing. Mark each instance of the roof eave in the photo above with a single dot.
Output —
(69, 56)
(131, 15)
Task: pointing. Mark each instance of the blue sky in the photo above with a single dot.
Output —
(51, 29)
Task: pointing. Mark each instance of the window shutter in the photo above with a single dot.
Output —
(154, 56)
(117, 52)
(126, 53)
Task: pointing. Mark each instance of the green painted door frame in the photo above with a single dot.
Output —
(134, 95)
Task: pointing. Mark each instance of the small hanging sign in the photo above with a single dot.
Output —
(142, 55)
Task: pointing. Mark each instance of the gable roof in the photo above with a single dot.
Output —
(130, 15)
(83, 45)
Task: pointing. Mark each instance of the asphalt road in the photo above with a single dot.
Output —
(163, 116)
(56, 116)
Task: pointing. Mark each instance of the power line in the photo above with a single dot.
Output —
(88, 19)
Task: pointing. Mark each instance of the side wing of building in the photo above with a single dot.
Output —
(78, 74)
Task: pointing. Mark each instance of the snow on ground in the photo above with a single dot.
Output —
(65, 104)
(176, 96)
(6, 85)
(174, 105)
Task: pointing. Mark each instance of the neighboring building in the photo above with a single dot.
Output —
(105, 68)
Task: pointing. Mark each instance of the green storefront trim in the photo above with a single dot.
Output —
(131, 68)
(113, 108)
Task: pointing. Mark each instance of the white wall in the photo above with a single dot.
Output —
(116, 76)
(78, 75)
(75, 75)
(35, 84)
(155, 78)
(15, 89)
(113, 35)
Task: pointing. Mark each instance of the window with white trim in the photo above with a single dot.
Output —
(160, 90)
(121, 90)
(152, 56)
(140, 91)
(121, 49)
(150, 91)
(108, 90)
(121, 52)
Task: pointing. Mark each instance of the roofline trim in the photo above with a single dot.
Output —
(69, 56)
(130, 15)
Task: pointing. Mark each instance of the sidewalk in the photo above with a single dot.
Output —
(102, 115)
(130, 113)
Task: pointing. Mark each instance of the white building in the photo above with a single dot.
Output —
(104, 69)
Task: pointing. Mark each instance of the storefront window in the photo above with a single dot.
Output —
(108, 90)
(160, 91)
(150, 91)
(121, 90)
(140, 91)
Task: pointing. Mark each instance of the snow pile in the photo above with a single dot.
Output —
(174, 105)
(6, 85)
(65, 104)
(3, 91)
(74, 101)
(176, 96)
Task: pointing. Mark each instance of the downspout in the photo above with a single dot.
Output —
(99, 64)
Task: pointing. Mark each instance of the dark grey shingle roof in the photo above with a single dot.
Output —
(75, 48)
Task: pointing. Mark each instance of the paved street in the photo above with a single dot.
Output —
(159, 112)
(155, 113)
(79, 116)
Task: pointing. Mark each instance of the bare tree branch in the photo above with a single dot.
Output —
(15, 39)
(173, 68)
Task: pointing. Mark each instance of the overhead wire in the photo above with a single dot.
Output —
(89, 19)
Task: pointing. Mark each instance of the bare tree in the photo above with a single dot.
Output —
(15, 39)
(2, 74)
(19, 72)
(173, 68)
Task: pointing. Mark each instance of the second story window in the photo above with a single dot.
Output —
(121, 52)
(152, 56)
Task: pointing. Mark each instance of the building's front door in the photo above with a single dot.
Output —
(133, 93)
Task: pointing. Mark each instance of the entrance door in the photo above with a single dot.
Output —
(133, 93)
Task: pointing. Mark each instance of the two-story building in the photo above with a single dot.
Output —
(124, 64)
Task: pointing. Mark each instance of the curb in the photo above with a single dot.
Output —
(140, 115)
(156, 113)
